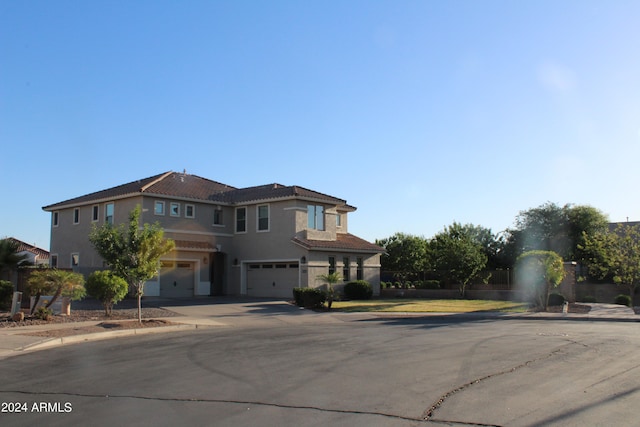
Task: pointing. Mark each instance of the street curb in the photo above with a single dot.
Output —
(99, 336)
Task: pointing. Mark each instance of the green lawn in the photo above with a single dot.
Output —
(429, 306)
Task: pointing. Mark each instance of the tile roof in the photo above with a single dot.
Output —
(183, 185)
(25, 247)
(344, 242)
(189, 244)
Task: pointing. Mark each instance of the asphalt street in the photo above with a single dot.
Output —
(382, 372)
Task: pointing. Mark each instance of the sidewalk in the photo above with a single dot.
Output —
(265, 313)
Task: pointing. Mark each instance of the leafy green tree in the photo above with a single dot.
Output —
(132, 252)
(405, 254)
(457, 256)
(108, 288)
(615, 254)
(51, 281)
(538, 272)
(330, 279)
(9, 258)
(550, 227)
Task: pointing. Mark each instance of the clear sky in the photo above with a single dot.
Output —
(419, 113)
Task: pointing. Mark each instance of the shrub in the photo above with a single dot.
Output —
(623, 300)
(6, 294)
(43, 313)
(359, 289)
(556, 299)
(309, 297)
(430, 284)
(589, 298)
(108, 288)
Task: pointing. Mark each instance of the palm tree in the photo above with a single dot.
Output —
(330, 279)
(9, 258)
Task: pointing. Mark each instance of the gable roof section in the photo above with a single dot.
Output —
(185, 186)
(25, 247)
(167, 184)
(344, 242)
(276, 191)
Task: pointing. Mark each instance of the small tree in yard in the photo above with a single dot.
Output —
(51, 281)
(330, 279)
(108, 288)
(538, 272)
(132, 252)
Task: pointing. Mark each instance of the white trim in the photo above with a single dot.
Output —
(155, 211)
(171, 205)
(268, 218)
(193, 210)
(235, 220)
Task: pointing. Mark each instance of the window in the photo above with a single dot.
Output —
(174, 209)
(95, 211)
(54, 261)
(189, 211)
(338, 220)
(345, 269)
(332, 264)
(76, 216)
(108, 213)
(263, 218)
(54, 219)
(360, 270)
(241, 220)
(75, 260)
(315, 217)
(217, 217)
(158, 208)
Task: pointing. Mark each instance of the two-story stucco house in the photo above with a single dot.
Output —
(259, 241)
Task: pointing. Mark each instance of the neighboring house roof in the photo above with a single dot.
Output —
(25, 247)
(182, 185)
(343, 242)
(614, 225)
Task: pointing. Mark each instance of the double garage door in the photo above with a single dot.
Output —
(275, 280)
(177, 279)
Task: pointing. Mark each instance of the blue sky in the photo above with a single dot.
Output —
(419, 113)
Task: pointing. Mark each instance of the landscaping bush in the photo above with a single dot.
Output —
(589, 298)
(430, 284)
(359, 289)
(309, 297)
(6, 294)
(43, 313)
(108, 288)
(556, 299)
(623, 300)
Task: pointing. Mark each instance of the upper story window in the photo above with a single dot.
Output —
(241, 220)
(95, 211)
(174, 209)
(217, 217)
(54, 219)
(263, 218)
(108, 213)
(158, 208)
(76, 216)
(315, 217)
(338, 220)
(360, 270)
(189, 211)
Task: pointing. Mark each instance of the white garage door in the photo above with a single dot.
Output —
(177, 279)
(275, 280)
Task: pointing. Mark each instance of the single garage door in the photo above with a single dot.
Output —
(275, 280)
(177, 279)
